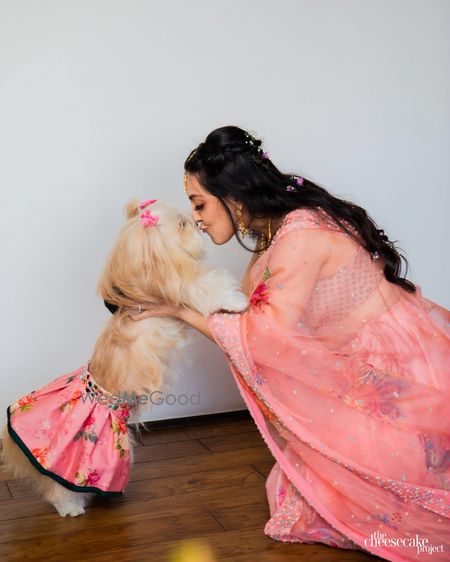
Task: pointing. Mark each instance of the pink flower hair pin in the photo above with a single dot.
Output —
(298, 180)
(147, 219)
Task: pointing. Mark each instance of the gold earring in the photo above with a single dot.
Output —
(240, 223)
(185, 182)
(263, 240)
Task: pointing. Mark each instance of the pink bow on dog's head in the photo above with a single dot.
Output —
(146, 203)
(147, 219)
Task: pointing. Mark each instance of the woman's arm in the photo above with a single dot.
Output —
(191, 317)
(294, 268)
(196, 320)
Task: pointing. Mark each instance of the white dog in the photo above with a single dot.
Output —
(70, 438)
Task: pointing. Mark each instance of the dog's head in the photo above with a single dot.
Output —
(150, 263)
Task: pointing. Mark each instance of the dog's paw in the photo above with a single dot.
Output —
(234, 302)
(71, 509)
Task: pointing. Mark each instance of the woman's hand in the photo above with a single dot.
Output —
(154, 310)
(191, 317)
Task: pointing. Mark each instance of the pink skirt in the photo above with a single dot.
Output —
(75, 432)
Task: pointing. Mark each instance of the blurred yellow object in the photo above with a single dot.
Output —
(193, 550)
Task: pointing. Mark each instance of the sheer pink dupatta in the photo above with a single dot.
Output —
(345, 375)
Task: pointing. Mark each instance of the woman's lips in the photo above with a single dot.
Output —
(201, 226)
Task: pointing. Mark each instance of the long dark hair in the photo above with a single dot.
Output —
(231, 163)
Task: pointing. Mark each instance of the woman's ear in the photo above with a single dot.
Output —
(233, 204)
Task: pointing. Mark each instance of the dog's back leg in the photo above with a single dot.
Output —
(65, 501)
(14, 462)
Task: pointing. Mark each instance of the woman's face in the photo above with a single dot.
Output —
(209, 210)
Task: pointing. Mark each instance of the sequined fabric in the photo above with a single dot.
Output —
(336, 296)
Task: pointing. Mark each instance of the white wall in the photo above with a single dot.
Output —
(102, 100)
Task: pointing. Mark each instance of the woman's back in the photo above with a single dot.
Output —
(349, 288)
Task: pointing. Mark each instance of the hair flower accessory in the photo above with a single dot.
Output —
(146, 203)
(252, 142)
(147, 219)
(298, 180)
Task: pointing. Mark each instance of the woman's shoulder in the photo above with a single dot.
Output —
(313, 221)
(302, 218)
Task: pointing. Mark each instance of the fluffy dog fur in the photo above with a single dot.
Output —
(160, 264)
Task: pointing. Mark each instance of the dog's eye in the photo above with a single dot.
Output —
(182, 223)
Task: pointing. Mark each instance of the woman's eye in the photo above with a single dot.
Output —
(198, 207)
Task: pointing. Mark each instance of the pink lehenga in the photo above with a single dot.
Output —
(346, 376)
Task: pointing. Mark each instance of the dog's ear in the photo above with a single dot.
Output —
(132, 208)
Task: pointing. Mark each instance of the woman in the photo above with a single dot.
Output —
(339, 358)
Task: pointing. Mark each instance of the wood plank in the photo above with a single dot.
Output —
(202, 480)
(103, 512)
(178, 450)
(233, 441)
(152, 489)
(294, 552)
(139, 542)
(264, 467)
(19, 489)
(254, 514)
(210, 461)
(4, 492)
(140, 531)
(156, 436)
(4, 474)
(170, 467)
(184, 483)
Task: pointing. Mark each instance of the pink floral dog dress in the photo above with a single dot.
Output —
(75, 432)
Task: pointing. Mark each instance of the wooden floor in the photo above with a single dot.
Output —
(204, 478)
